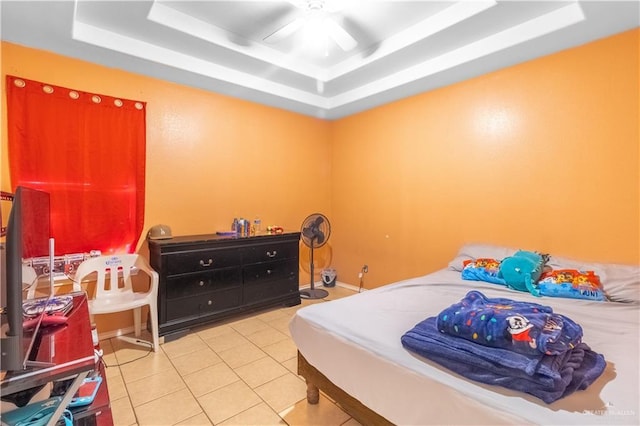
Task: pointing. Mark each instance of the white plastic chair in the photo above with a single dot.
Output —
(29, 281)
(114, 291)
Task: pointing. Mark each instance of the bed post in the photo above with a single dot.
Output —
(313, 392)
(316, 381)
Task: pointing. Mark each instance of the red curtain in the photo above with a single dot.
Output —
(88, 152)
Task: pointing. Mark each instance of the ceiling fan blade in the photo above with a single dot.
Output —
(340, 35)
(285, 31)
(298, 3)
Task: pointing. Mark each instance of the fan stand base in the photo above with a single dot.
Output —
(313, 293)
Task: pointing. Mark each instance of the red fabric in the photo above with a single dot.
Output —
(90, 157)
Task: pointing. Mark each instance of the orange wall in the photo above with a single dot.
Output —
(541, 156)
(209, 157)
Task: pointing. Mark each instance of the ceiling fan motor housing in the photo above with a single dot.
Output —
(315, 5)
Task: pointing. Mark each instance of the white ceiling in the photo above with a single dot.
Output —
(404, 47)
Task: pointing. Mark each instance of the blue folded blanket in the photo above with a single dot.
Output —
(524, 327)
(548, 377)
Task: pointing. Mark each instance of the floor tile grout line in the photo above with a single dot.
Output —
(230, 323)
(187, 385)
(248, 385)
(126, 387)
(262, 384)
(239, 379)
(147, 402)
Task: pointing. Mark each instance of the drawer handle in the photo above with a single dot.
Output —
(269, 271)
(272, 253)
(206, 264)
(210, 302)
(201, 283)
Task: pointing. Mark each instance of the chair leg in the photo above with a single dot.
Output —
(137, 313)
(153, 317)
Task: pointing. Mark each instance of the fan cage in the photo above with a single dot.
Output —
(315, 232)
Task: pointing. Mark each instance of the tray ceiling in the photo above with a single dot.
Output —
(229, 47)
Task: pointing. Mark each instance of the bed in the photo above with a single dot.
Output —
(350, 349)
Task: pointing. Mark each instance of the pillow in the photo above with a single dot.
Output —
(473, 251)
(571, 283)
(482, 269)
(621, 283)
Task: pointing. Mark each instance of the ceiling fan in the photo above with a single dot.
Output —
(317, 17)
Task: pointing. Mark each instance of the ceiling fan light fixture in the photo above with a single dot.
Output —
(316, 34)
(315, 5)
(318, 27)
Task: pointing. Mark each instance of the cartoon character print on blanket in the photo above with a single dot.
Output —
(548, 377)
(522, 327)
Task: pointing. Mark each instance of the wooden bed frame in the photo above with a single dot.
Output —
(317, 381)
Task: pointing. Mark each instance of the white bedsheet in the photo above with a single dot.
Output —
(355, 342)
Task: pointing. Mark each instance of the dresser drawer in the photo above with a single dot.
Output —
(195, 306)
(201, 260)
(262, 291)
(269, 271)
(271, 252)
(209, 277)
(194, 284)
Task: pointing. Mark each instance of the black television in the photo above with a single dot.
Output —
(28, 234)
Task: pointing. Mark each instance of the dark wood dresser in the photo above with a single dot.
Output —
(205, 278)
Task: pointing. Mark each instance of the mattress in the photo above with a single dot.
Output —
(355, 343)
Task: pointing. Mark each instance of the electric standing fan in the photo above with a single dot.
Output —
(315, 233)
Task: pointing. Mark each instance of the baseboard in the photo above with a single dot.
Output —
(119, 332)
(338, 284)
(129, 330)
(350, 287)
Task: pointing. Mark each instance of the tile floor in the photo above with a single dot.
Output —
(239, 372)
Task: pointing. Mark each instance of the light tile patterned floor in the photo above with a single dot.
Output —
(239, 372)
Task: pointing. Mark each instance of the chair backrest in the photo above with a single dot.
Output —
(29, 281)
(113, 273)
